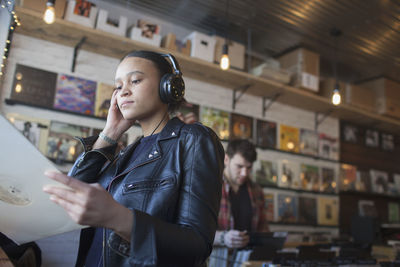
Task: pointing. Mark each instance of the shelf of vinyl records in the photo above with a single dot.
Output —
(70, 34)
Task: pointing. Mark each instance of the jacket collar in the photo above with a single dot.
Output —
(172, 129)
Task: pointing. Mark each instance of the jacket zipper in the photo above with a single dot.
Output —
(108, 189)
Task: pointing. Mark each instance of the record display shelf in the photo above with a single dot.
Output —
(70, 34)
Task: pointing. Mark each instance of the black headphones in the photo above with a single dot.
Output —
(172, 86)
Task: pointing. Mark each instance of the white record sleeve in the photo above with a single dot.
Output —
(27, 213)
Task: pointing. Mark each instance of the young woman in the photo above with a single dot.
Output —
(156, 203)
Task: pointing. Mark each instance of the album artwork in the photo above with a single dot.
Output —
(289, 138)
(328, 211)
(83, 7)
(34, 86)
(396, 181)
(188, 112)
(287, 208)
(363, 181)
(328, 147)
(393, 212)
(103, 99)
(266, 134)
(307, 210)
(289, 175)
(266, 173)
(241, 127)
(367, 208)
(372, 138)
(348, 177)
(148, 29)
(308, 142)
(350, 133)
(75, 94)
(328, 180)
(379, 180)
(269, 203)
(309, 177)
(217, 120)
(61, 144)
(388, 142)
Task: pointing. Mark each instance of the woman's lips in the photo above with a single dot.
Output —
(126, 103)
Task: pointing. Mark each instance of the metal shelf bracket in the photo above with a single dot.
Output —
(76, 49)
(320, 117)
(270, 100)
(241, 90)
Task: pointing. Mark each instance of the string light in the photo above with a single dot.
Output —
(9, 6)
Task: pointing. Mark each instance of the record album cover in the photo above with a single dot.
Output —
(266, 173)
(289, 138)
(388, 142)
(328, 180)
(61, 144)
(363, 181)
(289, 174)
(372, 138)
(308, 142)
(217, 120)
(307, 210)
(309, 177)
(367, 208)
(350, 133)
(269, 203)
(266, 134)
(103, 99)
(83, 7)
(75, 94)
(34, 86)
(241, 127)
(328, 211)
(379, 180)
(148, 29)
(287, 208)
(328, 147)
(393, 212)
(348, 177)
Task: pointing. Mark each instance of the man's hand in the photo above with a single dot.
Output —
(236, 239)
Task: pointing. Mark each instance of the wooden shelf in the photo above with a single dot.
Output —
(97, 41)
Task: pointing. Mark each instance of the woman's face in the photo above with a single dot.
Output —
(137, 81)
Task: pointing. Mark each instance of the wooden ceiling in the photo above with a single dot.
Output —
(369, 45)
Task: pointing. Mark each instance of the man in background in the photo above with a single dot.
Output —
(242, 202)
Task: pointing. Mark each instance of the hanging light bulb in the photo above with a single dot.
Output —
(336, 97)
(49, 15)
(224, 64)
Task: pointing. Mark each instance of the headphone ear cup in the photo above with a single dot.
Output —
(172, 88)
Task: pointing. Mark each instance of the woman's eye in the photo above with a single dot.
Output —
(135, 81)
(117, 88)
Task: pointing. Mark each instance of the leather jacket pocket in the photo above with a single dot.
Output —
(149, 185)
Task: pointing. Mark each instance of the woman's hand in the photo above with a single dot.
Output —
(116, 124)
(90, 204)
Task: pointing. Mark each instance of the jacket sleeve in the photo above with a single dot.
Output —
(188, 241)
(89, 164)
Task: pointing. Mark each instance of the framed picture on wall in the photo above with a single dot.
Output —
(372, 138)
(289, 138)
(217, 120)
(308, 142)
(34, 86)
(241, 127)
(387, 142)
(350, 133)
(75, 94)
(266, 134)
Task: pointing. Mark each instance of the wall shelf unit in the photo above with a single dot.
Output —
(97, 41)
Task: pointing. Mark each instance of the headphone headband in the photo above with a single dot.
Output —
(174, 62)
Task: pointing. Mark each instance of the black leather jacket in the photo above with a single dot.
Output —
(173, 190)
